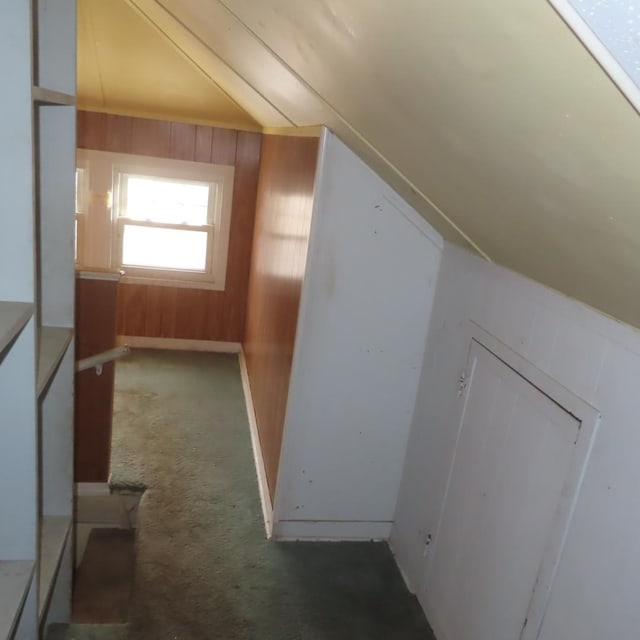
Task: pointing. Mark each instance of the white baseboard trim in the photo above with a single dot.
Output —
(330, 530)
(265, 496)
(92, 489)
(178, 344)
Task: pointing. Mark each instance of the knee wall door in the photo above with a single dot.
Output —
(513, 481)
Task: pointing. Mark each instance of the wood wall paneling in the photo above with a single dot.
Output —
(95, 333)
(223, 146)
(281, 239)
(248, 150)
(174, 312)
(204, 137)
(183, 141)
(159, 311)
(152, 138)
(132, 308)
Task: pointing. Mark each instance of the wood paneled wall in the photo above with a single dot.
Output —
(281, 240)
(174, 312)
(95, 333)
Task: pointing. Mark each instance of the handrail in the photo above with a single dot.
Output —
(101, 358)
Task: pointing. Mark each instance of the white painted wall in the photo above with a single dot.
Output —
(597, 587)
(358, 354)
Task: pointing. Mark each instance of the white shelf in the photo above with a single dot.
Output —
(48, 97)
(54, 531)
(37, 163)
(52, 345)
(13, 317)
(15, 578)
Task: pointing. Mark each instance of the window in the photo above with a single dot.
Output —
(165, 224)
(82, 201)
(167, 221)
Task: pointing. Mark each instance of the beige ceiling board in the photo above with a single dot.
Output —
(210, 22)
(241, 50)
(126, 66)
(89, 81)
(209, 64)
(495, 111)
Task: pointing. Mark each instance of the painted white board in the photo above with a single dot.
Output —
(365, 308)
(595, 589)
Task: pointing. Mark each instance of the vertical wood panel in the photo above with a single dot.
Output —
(132, 305)
(95, 332)
(191, 313)
(173, 312)
(151, 138)
(93, 413)
(216, 320)
(223, 147)
(245, 189)
(204, 137)
(160, 312)
(117, 134)
(183, 141)
(281, 239)
(91, 130)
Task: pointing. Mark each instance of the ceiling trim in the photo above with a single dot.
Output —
(166, 116)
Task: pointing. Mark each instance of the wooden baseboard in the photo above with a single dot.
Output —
(265, 496)
(178, 344)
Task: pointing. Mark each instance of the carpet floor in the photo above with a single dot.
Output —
(204, 569)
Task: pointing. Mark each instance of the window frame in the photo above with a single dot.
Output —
(81, 211)
(221, 179)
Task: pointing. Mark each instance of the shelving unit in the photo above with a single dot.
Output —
(13, 317)
(52, 345)
(15, 578)
(47, 97)
(54, 535)
(37, 166)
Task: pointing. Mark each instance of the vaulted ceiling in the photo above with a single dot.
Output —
(489, 116)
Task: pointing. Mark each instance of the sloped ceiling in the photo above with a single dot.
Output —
(489, 116)
(125, 65)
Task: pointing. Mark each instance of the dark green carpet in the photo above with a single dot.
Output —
(204, 568)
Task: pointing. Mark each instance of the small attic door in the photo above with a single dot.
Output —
(514, 479)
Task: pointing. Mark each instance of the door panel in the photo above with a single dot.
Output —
(513, 456)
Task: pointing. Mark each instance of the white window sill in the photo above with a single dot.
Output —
(168, 282)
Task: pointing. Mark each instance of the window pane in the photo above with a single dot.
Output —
(168, 201)
(164, 248)
(81, 190)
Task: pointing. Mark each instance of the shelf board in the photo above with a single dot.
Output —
(15, 579)
(54, 531)
(48, 97)
(53, 343)
(13, 317)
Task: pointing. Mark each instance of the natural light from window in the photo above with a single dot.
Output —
(168, 201)
(164, 248)
(163, 222)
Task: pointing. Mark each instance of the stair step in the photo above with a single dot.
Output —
(104, 581)
(87, 632)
